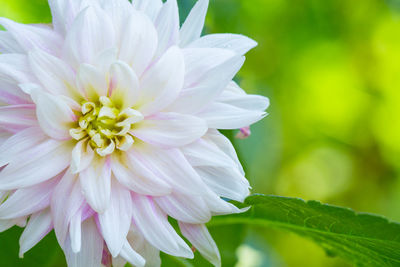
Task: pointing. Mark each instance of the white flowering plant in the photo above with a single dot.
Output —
(110, 124)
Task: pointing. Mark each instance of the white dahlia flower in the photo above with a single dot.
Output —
(109, 121)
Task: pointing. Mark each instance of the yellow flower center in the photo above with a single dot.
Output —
(107, 127)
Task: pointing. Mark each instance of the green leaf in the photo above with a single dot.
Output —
(365, 239)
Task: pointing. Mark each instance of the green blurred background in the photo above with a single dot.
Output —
(332, 71)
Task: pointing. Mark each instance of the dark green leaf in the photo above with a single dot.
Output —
(365, 239)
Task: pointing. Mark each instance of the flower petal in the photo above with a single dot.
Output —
(144, 248)
(154, 226)
(240, 44)
(170, 130)
(54, 74)
(194, 23)
(167, 25)
(190, 209)
(92, 247)
(225, 116)
(39, 225)
(132, 256)
(54, 114)
(11, 94)
(67, 199)
(92, 82)
(132, 174)
(124, 85)
(30, 36)
(8, 44)
(201, 239)
(26, 201)
(195, 98)
(75, 232)
(96, 184)
(37, 164)
(162, 83)
(171, 166)
(15, 69)
(139, 46)
(91, 33)
(116, 220)
(150, 7)
(15, 118)
(82, 156)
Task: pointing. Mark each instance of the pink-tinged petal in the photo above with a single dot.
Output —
(82, 156)
(92, 82)
(119, 11)
(66, 201)
(96, 184)
(124, 89)
(144, 248)
(138, 48)
(15, 69)
(6, 224)
(26, 201)
(116, 220)
(75, 232)
(198, 235)
(54, 74)
(132, 256)
(167, 25)
(8, 44)
(11, 94)
(240, 44)
(219, 206)
(150, 7)
(162, 83)
(19, 143)
(224, 145)
(199, 61)
(134, 175)
(54, 115)
(190, 209)
(36, 164)
(225, 116)
(235, 96)
(154, 226)
(169, 130)
(206, 153)
(91, 33)
(243, 133)
(225, 182)
(194, 23)
(194, 99)
(17, 117)
(172, 167)
(64, 13)
(92, 247)
(39, 225)
(30, 36)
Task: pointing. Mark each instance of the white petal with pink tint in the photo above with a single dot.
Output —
(66, 201)
(194, 23)
(8, 44)
(201, 239)
(162, 83)
(132, 173)
(39, 225)
(170, 130)
(14, 118)
(116, 220)
(235, 42)
(82, 156)
(29, 200)
(92, 247)
(96, 184)
(124, 89)
(138, 48)
(132, 256)
(54, 115)
(36, 165)
(167, 25)
(154, 226)
(30, 37)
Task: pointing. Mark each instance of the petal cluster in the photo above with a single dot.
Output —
(109, 124)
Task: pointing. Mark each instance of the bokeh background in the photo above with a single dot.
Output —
(332, 71)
